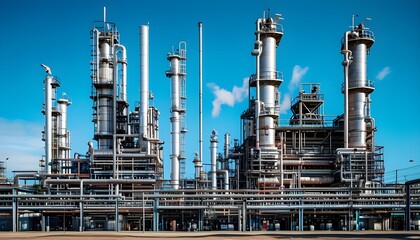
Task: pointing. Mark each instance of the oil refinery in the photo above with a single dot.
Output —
(308, 174)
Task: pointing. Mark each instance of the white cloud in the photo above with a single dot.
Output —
(383, 73)
(285, 103)
(298, 73)
(20, 141)
(225, 97)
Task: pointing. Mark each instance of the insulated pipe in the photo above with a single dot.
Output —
(144, 79)
(257, 52)
(213, 158)
(48, 122)
(346, 64)
(123, 61)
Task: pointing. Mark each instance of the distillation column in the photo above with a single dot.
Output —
(63, 135)
(359, 87)
(50, 89)
(177, 75)
(144, 79)
(104, 36)
(358, 162)
(213, 159)
(267, 108)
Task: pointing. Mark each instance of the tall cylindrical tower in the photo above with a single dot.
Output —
(267, 79)
(104, 37)
(225, 163)
(144, 79)
(177, 75)
(48, 136)
(213, 159)
(264, 111)
(63, 136)
(359, 87)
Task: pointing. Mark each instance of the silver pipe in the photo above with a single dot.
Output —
(200, 92)
(346, 63)
(14, 212)
(123, 61)
(144, 79)
(213, 158)
(227, 146)
(225, 162)
(257, 88)
(48, 122)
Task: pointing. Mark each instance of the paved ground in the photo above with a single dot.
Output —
(211, 235)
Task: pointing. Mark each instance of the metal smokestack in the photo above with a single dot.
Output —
(200, 90)
(48, 122)
(144, 79)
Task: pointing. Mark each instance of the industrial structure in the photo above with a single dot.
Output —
(310, 174)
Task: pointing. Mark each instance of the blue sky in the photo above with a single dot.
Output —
(57, 33)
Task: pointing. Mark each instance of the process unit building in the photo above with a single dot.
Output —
(312, 173)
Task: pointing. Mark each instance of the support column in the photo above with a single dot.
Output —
(357, 219)
(239, 219)
(244, 213)
(155, 215)
(81, 222)
(14, 211)
(407, 207)
(116, 215)
(300, 215)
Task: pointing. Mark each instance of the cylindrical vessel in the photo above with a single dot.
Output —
(357, 124)
(173, 73)
(144, 78)
(213, 159)
(359, 87)
(63, 136)
(268, 83)
(48, 122)
(105, 94)
(268, 57)
(175, 150)
(225, 165)
(267, 132)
